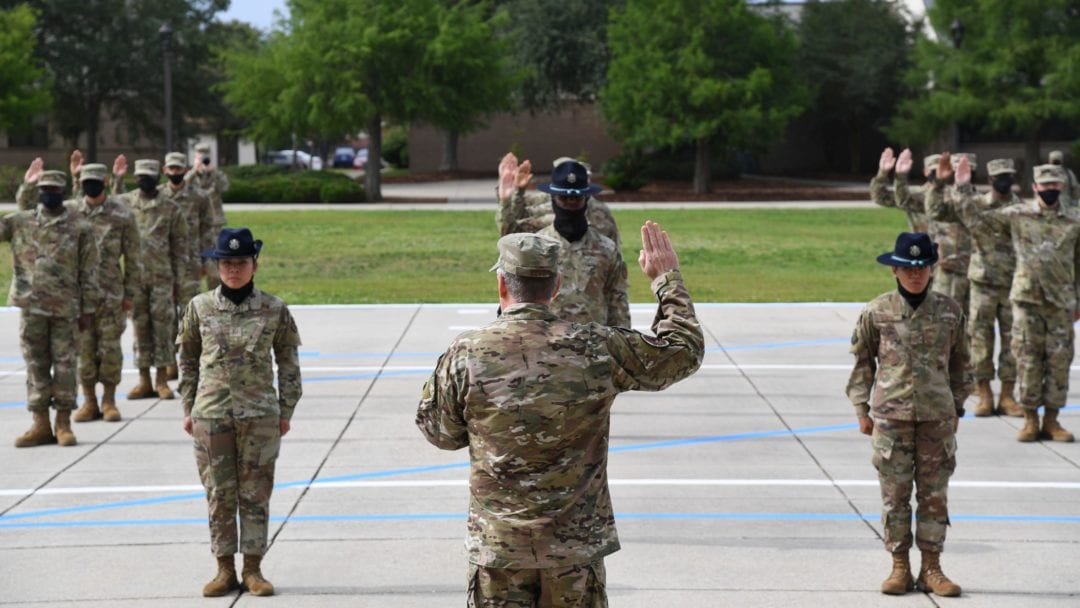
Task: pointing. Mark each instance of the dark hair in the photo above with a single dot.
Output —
(529, 289)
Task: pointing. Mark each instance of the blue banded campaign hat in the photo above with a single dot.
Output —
(234, 243)
(570, 178)
(913, 250)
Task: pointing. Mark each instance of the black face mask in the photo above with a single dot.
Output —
(176, 179)
(571, 224)
(1003, 184)
(93, 188)
(1050, 197)
(147, 183)
(52, 200)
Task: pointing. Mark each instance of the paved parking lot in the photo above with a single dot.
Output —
(745, 485)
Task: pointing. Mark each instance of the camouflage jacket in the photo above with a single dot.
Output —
(226, 370)
(530, 211)
(55, 261)
(163, 233)
(953, 240)
(530, 395)
(26, 197)
(910, 364)
(594, 285)
(1047, 245)
(213, 183)
(993, 260)
(117, 235)
(199, 215)
(882, 197)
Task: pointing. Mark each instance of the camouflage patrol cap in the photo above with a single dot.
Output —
(55, 179)
(176, 159)
(96, 171)
(202, 147)
(930, 162)
(147, 166)
(525, 254)
(954, 159)
(999, 166)
(1049, 174)
(1056, 157)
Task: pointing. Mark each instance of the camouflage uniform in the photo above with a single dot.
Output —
(882, 197)
(990, 272)
(117, 235)
(55, 281)
(530, 211)
(198, 212)
(1044, 297)
(26, 197)
(227, 387)
(594, 284)
(213, 183)
(165, 246)
(912, 375)
(530, 395)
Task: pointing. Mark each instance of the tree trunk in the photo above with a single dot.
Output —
(449, 151)
(93, 118)
(1031, 159)
(702, 167)
(855, 151)
(372, 178)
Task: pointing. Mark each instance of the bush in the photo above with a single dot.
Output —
(395, 146)
(341, 192)
(625, 173)
(279, 184)
(10, 179)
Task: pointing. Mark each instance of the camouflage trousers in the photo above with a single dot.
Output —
(236, 458)
(578, 586)
(952, 284)
(1043, 347)
(100, 356)
(154, 318)
(50, 346)
(990, 304)
(919, 452)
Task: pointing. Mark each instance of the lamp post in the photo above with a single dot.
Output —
(956, 31)
(166, 33)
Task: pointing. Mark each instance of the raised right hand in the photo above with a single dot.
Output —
(963, 171)
(34, 171)
(657, 256)
(507, 170)
(944, 166)
(903, 162)
(119, 166)
(523, 175)
(887, 162)
(76, 163)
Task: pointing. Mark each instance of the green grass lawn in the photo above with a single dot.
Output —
(752, 255)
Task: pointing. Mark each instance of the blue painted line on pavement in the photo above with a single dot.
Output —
(734, 437)
(365, 517)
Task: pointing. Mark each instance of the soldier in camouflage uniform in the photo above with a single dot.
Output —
(523, 211)
(229, 340)
(55, 284)
(1046, 238)
(883, 197)
(530, 395)
(117, 236)
(1072, 187)
(912, 376)
(197, 210)
(993, 262)
(164, 237)
(213, 182)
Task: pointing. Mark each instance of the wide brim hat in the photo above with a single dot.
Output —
(570, 178)
(234, 243)
(913, 250)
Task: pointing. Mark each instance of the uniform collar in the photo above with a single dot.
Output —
(527, 312)
(253, 302)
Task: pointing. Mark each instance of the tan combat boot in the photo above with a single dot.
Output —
(1052, 429)
(931, 578)
(253, 578)
(985, 406)
(171, 372)
(144, 389)
(108, 403)
(1006, 404)
(40, 432)
(89, 410)
(900, 580)
(1030, 432)
(225, 579)
(161, 384)
(64, 435)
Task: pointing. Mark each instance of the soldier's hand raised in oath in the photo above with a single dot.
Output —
(75, 163)
(903, 162)
(507, 173)
(887, 162)
(944, 166)
(34, 171)
(657, 256)
(963, 171)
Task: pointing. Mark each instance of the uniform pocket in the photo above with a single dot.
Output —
(883, 448)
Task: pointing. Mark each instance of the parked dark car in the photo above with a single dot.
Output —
(344, 157)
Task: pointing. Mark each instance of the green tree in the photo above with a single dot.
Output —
(708, 72)
(560, 49)
(468, 70)
(852, 56)
(1014, 73)
(23, 92)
